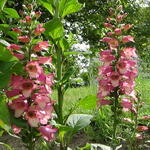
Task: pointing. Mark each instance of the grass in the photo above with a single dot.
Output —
(73, 95)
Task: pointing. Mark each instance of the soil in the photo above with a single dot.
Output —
(79, 140)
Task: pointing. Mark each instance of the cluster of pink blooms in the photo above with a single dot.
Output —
(31, 91)
(119, 68)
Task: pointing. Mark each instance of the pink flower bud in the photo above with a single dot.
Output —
(48, 132)
(118, 31)
(108, 25)
(16, 129)
(41, 46)
(127, 39)
(127, 27)
(38, 14)
(19, 56)
(28, 19)
(17, 30)
(24, 39)
(39, 29)
(142, 128)
(14, 47)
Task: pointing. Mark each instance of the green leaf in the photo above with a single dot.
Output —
(19, 122)
(3, 42)
(79, 121)
(5, 55)
(64, 130)
(6, 69)
(67, 7)
(4, 114)
(6, 146)
(11, 13)
(88, 103)
(48, 6)
(64, 44)
(54, 28)
(2, 4)
(4, 27)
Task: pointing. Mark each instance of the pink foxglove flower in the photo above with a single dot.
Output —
(114, 79)
(127, 39)
(19, 105)
(19, 55)
(129, 52)
(16, 129)
(45, 60)
(142, 128)
(17, 30)
(12, 93)
(32, 115)
(27, 86)
(38, 14)
(108, 25)
(28, 19)
(126, 27)
(118, 31)
(42, 100)
(24, 39)
(41, 46)
(16, 81)
(39, 29)
(14, 47)
(34, 69)
(126, 104)
(48, 132)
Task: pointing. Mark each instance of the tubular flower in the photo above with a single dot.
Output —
(14, 47)
(24, 39)
(29, 94)
(34, 69)
(48, 132)
(41, 46)
(39, 29)
(119, 68)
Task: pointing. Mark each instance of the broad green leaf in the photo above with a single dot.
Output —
(88, 103)
(19, 122)
(79, 121)
(6, 69)
(5, 55)
(64, 130)
(47, 5)
(11, 13)
(54, 28)
(5, 72)
(4, 114)
(4, 27)
(64, 44)
(13, 35)
(2, 4)
(4, 43)
(67, 7)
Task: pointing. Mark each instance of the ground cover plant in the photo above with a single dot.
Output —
(54, 96)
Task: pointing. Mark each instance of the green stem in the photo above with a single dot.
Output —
(59, 89)
(115, 123)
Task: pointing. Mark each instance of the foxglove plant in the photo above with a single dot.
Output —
(119, 69)
(29, 93)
